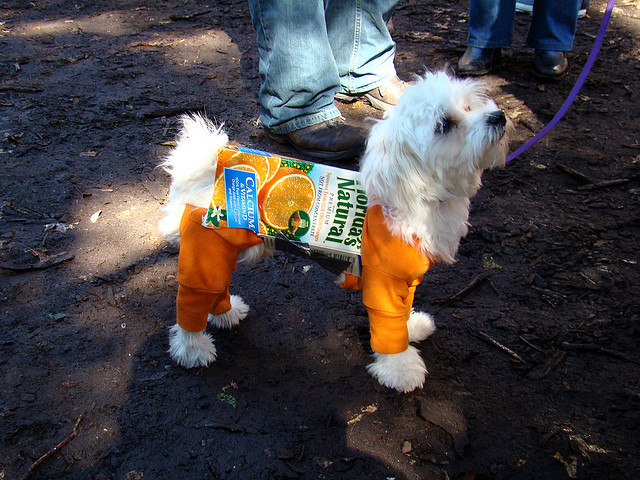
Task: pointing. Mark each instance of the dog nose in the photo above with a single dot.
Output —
(497, 118)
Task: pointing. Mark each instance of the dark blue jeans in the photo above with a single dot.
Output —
(553, 24)
(308, 53)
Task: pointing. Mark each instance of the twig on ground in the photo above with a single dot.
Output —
(495, 343)
(494, 288)
(528, 343)
(547, 292)
(227, 428)
(464, 292)
(605, 184)
(26, 212)
(541, 371)
(149, 191)
(591, 348)
(54, 450)
(592, 184)
(552, 298)
(576, 174)
(191, 16)
(19, 88)
(48, 262)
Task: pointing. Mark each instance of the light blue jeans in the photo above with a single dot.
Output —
(309, 52)
(553, 24)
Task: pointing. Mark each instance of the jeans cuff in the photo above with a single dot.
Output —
(370, 86)
(482, 44)
(558, 47)
(303, 121)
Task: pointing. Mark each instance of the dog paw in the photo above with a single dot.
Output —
(191, 349)
(253, 254)
(403, 371)
(420, 326)
(239, 311)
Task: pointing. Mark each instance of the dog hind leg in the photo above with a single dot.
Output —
(231, 318)
(254, 254)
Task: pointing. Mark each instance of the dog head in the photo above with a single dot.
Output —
(430, 150)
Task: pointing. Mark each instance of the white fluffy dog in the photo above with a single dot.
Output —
(422, 164)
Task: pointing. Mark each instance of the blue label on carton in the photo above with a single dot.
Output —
(241, 194)
(253, 151)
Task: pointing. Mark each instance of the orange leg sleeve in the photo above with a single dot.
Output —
(205, 265)
(193, 307)
(208, 257)
(223, 304)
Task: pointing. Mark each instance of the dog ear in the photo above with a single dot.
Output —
(196, 149)
(192, 166)
(392, 155)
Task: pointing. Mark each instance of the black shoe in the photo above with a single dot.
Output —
(478, 61)
(550, 64)
(330, 140)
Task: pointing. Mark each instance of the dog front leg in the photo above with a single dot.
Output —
(191, 349)
(404, 371)
(189, 345)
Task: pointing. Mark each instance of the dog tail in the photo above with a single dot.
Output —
(192, 166)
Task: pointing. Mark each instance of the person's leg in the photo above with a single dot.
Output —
(361, 43)
(364, 51)
(491, 23)
(297, 70)
(553, 29)
(553, 26)
(490, 28)
(299, 79)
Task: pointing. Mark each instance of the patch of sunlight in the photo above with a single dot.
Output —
(109, 23)
(125, 230)
(202, 48)
(209, 47)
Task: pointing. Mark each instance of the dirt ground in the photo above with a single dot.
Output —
(90, 94)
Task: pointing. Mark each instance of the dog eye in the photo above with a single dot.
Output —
(444, 126)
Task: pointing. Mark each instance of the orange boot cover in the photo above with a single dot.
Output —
(208, 257)
(391, 271)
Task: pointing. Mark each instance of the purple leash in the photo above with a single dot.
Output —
(576, 88)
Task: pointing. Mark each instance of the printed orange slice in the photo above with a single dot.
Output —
(218, 198)
(288, 191)
(266, 167)
(274, 165)
(248, 168)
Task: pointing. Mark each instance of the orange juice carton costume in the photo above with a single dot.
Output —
(315, 210)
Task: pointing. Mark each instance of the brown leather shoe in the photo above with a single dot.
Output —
(382, 97)
(330, 140)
